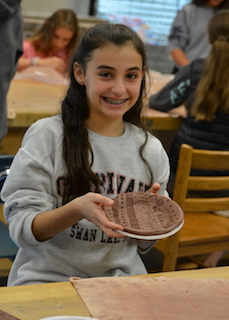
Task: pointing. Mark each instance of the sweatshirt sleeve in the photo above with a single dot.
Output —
(29, 188)
(179, 34)
(174, 93)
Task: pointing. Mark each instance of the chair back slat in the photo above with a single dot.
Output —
(210, 160)
(208, 183)
(206, 204)
(189, 159)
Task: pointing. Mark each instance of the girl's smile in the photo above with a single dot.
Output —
(115, 101)
(113, 80)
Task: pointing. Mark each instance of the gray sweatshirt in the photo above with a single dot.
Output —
(189, 31)
(34, 186)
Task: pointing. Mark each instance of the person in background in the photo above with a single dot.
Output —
(11, 49)
(176, 96)
(53, 43)
(204, 87)
(73, 164)
(188, 39)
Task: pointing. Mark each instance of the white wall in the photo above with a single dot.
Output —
(44, 8)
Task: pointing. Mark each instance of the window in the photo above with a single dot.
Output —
(151, 19)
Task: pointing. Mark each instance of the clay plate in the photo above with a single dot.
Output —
(145, 215)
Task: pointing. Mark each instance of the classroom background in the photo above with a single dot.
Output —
(150, 19)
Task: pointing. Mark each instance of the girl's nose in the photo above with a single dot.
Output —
(119, 87)
(59, 44)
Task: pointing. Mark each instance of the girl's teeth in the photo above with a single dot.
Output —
(113, 101)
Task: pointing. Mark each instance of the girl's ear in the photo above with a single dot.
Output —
(78, 73)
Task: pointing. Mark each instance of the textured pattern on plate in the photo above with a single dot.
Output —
(145, 213)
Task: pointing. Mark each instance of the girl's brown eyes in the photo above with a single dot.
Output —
(105, 74)
(132, 76)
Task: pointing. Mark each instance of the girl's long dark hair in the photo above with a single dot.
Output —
(77, 151)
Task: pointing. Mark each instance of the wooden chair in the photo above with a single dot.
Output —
(203, 231)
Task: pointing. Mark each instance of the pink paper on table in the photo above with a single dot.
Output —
(6, 316)
(138, 298)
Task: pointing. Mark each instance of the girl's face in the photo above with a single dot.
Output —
(214, 3)
(61, 38)
(112, 79)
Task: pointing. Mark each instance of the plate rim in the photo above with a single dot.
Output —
(152, 237)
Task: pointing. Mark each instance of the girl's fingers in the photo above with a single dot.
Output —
(103, 220)
(99, 217)
(113, 226)
(99, 199)
(112, 233)
(155, 188)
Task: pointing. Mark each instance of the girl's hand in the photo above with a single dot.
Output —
(48, 224)
(54, 62)
(90, 205)
(155, 188)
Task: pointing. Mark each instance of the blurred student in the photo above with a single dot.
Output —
(53, 43)
(11, 49)
(188, 39)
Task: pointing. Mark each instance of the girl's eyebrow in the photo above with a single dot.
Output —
(111, 68)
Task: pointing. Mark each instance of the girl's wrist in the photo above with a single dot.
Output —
(72, 212)
(33, 61)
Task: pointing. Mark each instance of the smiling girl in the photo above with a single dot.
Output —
(73, 164)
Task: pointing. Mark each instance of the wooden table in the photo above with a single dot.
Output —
(29, 101)
(32, 100)
(36, 301)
